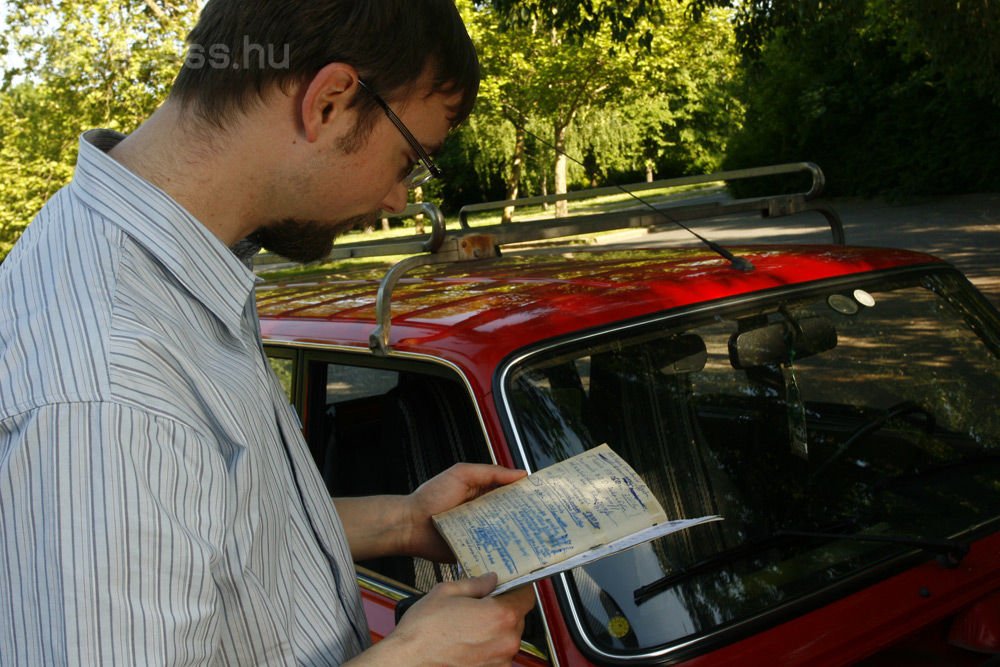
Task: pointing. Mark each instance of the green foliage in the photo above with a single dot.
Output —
(474, 160)
(75, 65)
(667, 106)
(33, 167)
(887, 96)
(625, 21)
(686, 108)
(956, 43)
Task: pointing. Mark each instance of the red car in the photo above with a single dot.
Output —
(837, 405)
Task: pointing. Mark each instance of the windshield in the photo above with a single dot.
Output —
(863, 410)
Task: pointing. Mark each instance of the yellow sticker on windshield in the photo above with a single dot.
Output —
(618, 627)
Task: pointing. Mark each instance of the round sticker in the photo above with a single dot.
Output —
(843, 304)
(618, 627)
(864, 298)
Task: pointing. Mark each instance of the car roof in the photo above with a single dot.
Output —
(474, 314)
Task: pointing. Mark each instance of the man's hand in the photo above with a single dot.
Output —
(457, 624)
(458, 484)
(401, 525)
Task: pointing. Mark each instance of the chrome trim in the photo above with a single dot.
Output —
(552, 657)
(368, 582)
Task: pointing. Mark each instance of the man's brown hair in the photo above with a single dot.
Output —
(241, 48)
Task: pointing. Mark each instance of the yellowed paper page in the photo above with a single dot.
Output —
(585, 501)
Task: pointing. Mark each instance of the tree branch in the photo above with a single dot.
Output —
(157, 12)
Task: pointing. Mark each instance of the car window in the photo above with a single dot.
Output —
(344, 383)
(815, 424)
(284, 369)
(386, 431)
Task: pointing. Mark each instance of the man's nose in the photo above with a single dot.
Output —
(395, 200)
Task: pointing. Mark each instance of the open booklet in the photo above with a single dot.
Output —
(566, 515)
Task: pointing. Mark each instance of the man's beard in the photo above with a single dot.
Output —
(304, 240)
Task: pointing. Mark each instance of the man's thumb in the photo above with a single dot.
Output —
(477, 587)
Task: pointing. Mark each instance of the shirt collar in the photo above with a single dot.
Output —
(198, 259)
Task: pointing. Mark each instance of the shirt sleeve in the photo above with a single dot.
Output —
(112, 522)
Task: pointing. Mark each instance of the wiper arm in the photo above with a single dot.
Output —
(950, 553)
(713, 562)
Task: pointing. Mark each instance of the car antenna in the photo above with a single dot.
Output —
(739, 263)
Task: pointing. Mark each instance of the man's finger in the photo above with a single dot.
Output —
(475, 587)
(521, 599)
(488, 476)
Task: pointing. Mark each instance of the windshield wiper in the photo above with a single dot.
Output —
(713, 562)
(949, 553)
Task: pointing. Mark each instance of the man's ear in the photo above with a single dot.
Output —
(326, 97)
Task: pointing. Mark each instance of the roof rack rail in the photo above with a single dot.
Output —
(482, 242)
(682, 210)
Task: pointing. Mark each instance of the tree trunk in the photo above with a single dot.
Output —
(418, 197)
(562, 209)
(514, 182)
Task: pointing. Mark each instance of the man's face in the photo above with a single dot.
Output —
(351, 181)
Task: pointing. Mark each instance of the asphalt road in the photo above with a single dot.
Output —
(964, 230)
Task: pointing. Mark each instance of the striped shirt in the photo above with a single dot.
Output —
(158, 505)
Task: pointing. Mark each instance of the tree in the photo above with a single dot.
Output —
(549, 67)
(683, 107)
(78, 64)
(958, 41)
(883, 94)
(627, 22)
(636, 103)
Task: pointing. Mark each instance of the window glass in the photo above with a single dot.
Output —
(344, 383)
(377, 430)
(285, 370)
(385, 431)
(853, 414)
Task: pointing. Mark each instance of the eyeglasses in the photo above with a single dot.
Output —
(425, 170)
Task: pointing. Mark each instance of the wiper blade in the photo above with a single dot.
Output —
(713, 562)
(950, 553)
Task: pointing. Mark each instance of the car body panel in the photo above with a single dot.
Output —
(891, 610)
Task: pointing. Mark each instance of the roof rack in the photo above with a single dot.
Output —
(480, 242)
(682, 210)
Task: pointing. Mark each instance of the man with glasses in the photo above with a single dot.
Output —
(158, 504)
